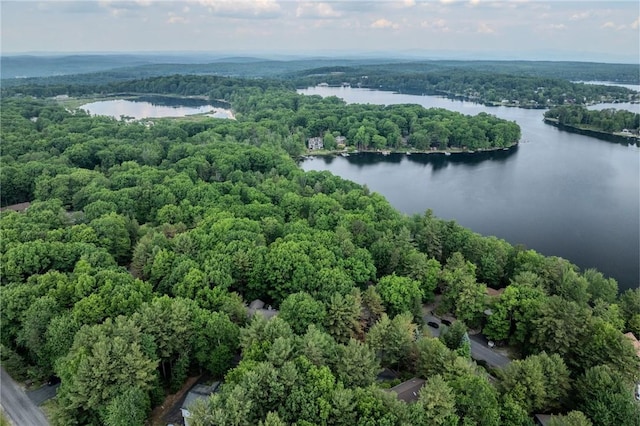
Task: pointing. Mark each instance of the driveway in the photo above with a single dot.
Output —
(43, 394)
(19, 409)
(480, 351)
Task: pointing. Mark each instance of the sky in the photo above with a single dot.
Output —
(607, 31)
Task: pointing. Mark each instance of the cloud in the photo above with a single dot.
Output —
(243, 9)
(484, 28)
(618, 27)
(580, 16)
(636, 24)
(384, 23)
(316, 10)
(175, 19)
(436, 24)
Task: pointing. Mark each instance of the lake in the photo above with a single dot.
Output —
(559, 193)
(157, 107)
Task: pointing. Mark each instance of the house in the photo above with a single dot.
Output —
(257, 307)
(634, 341)
(198, 392)
(315, 143)
(20, 207)
(492, 292)
(408, 391)
(542, 419)
(341, 141)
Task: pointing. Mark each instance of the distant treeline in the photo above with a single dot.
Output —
(492, 88)
(518, 83)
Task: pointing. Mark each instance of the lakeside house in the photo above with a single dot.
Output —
(315, 143)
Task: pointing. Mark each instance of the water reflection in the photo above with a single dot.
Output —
(560, 193)
(158, 107)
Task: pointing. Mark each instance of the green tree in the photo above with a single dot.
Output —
(357, 364)
(437, 403)
(129, 408)
(343, 315)
(476, 400)
(215, 341)
(462, 295)
(113, 235)
(394, 340)
(600, 288)
(433, 357)
(104, 361)
(300, 310)
(539, 383)
(400, 295)
(605, 397)
(572, 418)
(169, 322)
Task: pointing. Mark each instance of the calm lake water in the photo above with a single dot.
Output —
(156, 107)
(559, 193)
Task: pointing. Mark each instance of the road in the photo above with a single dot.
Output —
(480, 351)
(19, 409)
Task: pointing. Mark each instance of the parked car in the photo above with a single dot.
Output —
(446, 322)
(433, 324)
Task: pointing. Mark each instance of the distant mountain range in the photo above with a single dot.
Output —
(56, 69)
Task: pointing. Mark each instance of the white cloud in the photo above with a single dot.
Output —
(635, 24)
(316, 10)
(436, 24)
(175, 19)
(384, 23)
(243, 8)
(614, 26)
(484, 28)
(580, 16)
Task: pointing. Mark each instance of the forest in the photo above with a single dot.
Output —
(143, 243)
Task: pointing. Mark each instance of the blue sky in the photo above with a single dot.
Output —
(519, 29)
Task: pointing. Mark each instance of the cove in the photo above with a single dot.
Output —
(559, 193)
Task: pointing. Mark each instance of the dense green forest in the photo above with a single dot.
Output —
(605, 120)
(132, 267)
(268, 112)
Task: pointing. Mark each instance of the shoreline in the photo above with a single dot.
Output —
(606, 136)
(326, 153)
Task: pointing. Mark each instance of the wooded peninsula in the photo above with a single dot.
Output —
(607, 123)
(142, 243)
